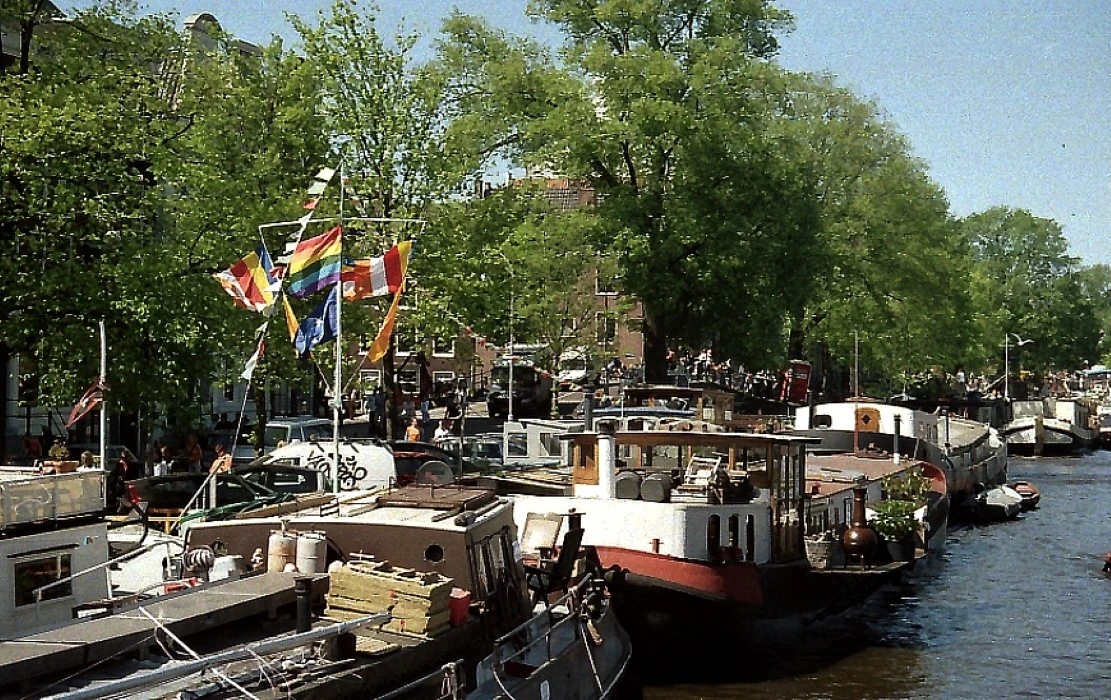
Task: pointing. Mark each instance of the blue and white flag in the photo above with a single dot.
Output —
(318, 327)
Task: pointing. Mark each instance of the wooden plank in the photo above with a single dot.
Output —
(300, 503)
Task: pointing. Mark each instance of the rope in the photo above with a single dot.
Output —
(41, 692)
(501, 685)
(590, 657)
(177, 640)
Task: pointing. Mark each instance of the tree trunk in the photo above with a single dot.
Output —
(796, 339)
(389, 383)
(655, 348)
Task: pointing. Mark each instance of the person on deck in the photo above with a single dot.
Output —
(222, 463)
(413, 432)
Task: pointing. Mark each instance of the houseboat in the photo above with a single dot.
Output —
(704, 535)
(971, 455)
(1052, 426)
(423, 585)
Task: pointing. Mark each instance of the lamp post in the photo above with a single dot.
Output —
(1019, 341)
(512, 279)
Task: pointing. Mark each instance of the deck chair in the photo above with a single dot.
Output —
(701, 470)
(540, 534)
(555, 575)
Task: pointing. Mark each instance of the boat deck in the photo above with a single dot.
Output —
(87, 642)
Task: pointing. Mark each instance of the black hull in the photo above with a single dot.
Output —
(671, 625)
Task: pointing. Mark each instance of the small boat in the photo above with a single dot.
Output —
(1031, 496)
(997, 504)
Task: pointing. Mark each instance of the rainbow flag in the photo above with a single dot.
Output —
(315, 263)
(249, 281)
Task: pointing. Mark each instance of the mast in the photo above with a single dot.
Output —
(337, 381)
(103, 398)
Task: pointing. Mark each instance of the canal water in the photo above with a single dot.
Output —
(1016, 609)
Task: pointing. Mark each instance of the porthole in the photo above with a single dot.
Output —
(434, 553)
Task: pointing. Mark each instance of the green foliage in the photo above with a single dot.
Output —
(894, 519)
(908, 485)
(1025, 282)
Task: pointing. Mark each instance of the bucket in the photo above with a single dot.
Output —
(312, 551)
(280, 549)
(460, 606)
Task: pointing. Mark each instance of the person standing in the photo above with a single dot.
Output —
(165, 460)
(443, 430)
(412, 433)
(193, 454)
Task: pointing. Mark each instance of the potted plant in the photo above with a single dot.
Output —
(904, 493)
(893, 519)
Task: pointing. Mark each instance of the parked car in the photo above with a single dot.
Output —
(290, 430)
(284, 478)
(173, 492)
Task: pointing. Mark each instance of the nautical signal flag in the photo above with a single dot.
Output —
(249, 281)
(315, 263)
(318, 327)
(376, 277)
(85, 405)
(381, 342)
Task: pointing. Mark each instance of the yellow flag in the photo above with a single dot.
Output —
(290, 319)
(382, 343)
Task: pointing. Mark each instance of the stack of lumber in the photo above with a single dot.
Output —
(419, 602)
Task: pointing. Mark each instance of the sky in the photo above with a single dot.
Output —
(1007, 103)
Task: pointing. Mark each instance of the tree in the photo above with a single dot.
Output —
(666, 122)
(388, 123)
(481, 252)
(123, 187)
(1027, 283)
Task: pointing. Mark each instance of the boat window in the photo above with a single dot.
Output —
(551, 445)
(434, 553)
(32, 574)
(518, 444)
(823, 420)
(713, 537)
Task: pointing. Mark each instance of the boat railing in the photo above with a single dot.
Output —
(40, 498)
(447, 680)
(538, 631)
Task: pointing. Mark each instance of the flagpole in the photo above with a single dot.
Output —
(337, 383)
(104, 398)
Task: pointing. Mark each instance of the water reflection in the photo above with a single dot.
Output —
(1018, 608)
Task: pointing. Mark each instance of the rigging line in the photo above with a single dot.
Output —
(263, 669)
(177, 640)
(40, 692)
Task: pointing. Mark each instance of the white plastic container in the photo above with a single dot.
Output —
(280, 550)
(312, 552)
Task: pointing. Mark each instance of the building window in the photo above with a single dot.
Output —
(443, 348)
(606, 328)
(370, 378)
(32, 574)
(569, 328)
(604, 286)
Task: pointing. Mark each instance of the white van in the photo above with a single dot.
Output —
(364, 463)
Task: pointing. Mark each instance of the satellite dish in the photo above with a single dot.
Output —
(436, 473)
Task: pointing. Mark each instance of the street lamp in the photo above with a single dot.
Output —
(512, 280)
(1007, 360)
